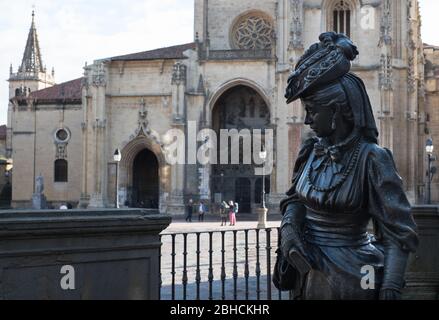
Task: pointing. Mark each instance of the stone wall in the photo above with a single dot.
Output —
(105, 255)
(431, 107)
(422, 276)
(34, 152)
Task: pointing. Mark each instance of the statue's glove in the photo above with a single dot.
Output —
(291, 238)
(291, 235)
(390, 294)
(395, 262)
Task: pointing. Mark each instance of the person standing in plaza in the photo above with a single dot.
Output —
(235, 209)
(224, 208)
(232, 216)
(190, 209)
(201, 211)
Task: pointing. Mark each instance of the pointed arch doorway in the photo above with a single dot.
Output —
(145, 189)
(239, 107)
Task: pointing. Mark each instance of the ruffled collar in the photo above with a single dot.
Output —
(328, 155)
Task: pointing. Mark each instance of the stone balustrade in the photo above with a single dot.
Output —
(80, 254)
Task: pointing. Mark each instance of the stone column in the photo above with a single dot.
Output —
(281, 177)
(204, 182)
(178, 82)
(99, 124)
(416, 138)
(290, 31)
(176, 199)
(178, 92)
(85, 196)
(296, 17)
(385, 114)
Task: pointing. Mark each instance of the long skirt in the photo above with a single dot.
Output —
(232, 218)
(342, 269)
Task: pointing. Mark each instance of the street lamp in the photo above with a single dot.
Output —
(429, 147)
(262, 211)
(263, 156)
(117, 157)
(222, 186)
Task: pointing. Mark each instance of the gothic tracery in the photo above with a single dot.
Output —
(253, 32)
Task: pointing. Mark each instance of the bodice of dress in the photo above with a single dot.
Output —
(332, 188)
(343, 188)
(324, 172)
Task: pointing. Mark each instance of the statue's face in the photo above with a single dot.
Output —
(319, 118)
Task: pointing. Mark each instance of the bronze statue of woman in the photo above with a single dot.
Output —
(342, 181)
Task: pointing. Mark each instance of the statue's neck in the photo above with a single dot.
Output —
(341, 133)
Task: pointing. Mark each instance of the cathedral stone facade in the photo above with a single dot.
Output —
(232, 76)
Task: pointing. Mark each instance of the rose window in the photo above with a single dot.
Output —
(252, 33)
(62, 135)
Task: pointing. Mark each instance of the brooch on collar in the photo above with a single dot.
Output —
(332, 152)
(352, 164)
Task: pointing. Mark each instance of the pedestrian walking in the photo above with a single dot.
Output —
(201, 211)
(224, 211)
(190, 209)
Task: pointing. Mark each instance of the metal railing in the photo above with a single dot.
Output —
(232, 264)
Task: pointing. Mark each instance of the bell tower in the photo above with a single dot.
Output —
(32, 74)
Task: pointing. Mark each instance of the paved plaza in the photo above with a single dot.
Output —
(213, 224)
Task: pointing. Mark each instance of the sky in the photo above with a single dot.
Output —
(73, 32)
(77, 31)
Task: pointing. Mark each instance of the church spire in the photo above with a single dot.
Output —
(32, 62)
(31, 74)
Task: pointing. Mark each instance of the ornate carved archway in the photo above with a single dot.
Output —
(239, 107)
(223, 88)
(132, 150)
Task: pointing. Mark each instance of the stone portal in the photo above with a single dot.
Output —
(145, 192)
(240, 107)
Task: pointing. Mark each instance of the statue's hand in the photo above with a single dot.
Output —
(291, 239)
(390, 294)
(395, 262)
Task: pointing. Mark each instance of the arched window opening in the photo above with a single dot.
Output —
(341, 18)
(61, 169)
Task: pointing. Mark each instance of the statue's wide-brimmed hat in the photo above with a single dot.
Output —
(322, 63)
